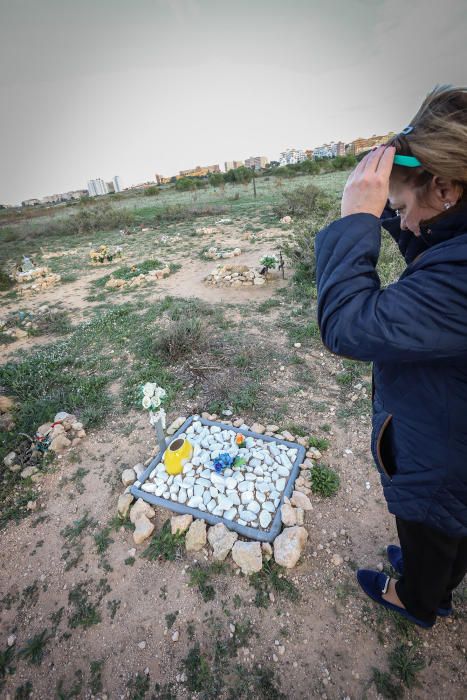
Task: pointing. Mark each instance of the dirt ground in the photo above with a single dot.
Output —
(325, 644)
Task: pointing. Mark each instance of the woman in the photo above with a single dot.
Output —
(415, 333)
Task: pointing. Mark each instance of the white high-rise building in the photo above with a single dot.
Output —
(117, 183)
(291, 156)
(97, 187)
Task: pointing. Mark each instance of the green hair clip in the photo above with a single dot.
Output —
(407, 161)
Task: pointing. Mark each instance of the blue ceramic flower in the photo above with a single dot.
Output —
(223, 461)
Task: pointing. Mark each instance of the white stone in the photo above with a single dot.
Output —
(247, 497)
(280, 484)
(247, 515)
(221, 540)
(264, 518)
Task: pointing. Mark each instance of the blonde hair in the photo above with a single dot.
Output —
(438, 139)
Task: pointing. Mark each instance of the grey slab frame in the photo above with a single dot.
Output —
(244, 530)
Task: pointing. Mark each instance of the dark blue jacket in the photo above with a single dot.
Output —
(415, 333)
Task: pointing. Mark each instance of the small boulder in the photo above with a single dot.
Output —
(44, 429)
(180, 523)
(258, 428)
(128, 477)
(7, 404)
(221, 540)
(301, 501)
(60, 444)
(289, 545)
(288, 515)
(196, 536)
(124, 503)
(10, 459)
(314, 453)
(29, 472)
(248, 556)
(77, 426)
(141, 508)
(143, 529)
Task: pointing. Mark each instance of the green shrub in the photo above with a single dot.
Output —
(324, 481)
(181, 339)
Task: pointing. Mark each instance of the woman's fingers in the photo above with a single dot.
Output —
(385, 162)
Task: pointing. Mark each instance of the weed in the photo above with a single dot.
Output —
(113, 606)
(102, 540)
(74, 691)
(24, 691)
(85, 613)
(170, 619)
(55, 618)
(324, 481)
(138, 686)
(6, 664)
(321, 444)
(197, 670)
(72, 532)
(164, 545)
(78, 477)
(200, 575)
(271, 578)
(165, 692)
(386, 686)
(95, 668)
(405, 662)
(182, 339)
(258, 682)
(34, 649)
(129, 561)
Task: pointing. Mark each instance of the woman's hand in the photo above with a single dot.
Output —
(367, 189)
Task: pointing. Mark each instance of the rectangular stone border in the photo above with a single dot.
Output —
(244, 530)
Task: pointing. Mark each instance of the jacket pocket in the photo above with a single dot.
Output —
(381, 444)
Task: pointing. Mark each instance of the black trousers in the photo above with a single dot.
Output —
(434, 564)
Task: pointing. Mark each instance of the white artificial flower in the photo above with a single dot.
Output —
(155, 402)
(148, 389)
(146, 402)
(160, 393)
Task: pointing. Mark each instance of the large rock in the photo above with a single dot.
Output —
(128, 477)
(7, 404)
(248, 556)
(299, 500)
(196, 536)
(60, 444)
(221, 540)
(143, 529)
(141, 508)
(289, 546)
(124, 503)
(257, 428)
(44, 429)
(180, 523)
(288, 515)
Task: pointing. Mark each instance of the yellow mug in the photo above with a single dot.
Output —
(176, 455)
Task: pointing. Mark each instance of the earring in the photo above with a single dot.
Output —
(446, 205)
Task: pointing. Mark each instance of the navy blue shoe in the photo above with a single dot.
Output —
(375, 584)
(397, 563)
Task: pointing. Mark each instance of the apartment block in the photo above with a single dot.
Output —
(232, 164)
(256, 162)
(291, 156)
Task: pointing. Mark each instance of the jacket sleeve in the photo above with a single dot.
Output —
(409, 245)
(421, 317)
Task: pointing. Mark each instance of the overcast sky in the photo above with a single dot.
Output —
(137, 87)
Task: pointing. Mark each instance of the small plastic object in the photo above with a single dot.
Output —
(176, 455)
(407, 161)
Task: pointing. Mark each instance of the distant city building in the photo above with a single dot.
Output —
(340, 150)
(30, 202)
(309, 153)
(327, 150)
(97, 187)
(199, 171)
(117, 181)
(161, 180)
(256, 162)
(291, 156)
(233, 164)
(360, 145)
